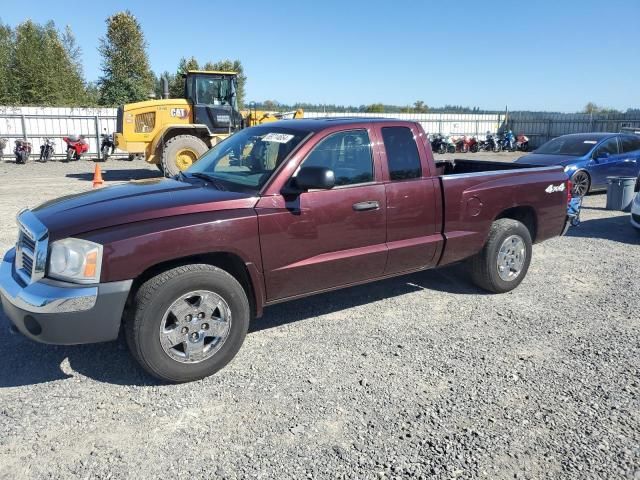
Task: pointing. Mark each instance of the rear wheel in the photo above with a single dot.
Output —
(474, 148)
(70, 154)
(451, 148)
(504, 260)
(188, 322)
(181, 152)
(581, 183)
(105, 154)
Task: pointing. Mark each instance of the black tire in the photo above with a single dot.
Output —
(24, 156)
(496, 148)
(484, 265)
(442, 149)
(581, 183)
(70, 153)
(524, 147)
(177, 144)
(474, 148)
(105, 154)
(451, 148)
(465, 148)
(156, 295)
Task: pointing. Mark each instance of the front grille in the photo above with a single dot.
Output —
(145, 122)
(31, 248)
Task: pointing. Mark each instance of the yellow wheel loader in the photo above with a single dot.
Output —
(173, 133)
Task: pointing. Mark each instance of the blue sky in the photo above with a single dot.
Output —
(547, 55)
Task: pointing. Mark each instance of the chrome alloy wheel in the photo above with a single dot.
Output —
(511, 258)
(195, 326)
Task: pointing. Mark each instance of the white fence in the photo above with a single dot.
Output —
(36, 123)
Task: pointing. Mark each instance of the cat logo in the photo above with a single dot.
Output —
(179, 112)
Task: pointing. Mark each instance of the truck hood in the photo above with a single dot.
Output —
(134, 202)
(548, 160)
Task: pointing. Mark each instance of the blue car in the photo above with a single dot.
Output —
(589, 158)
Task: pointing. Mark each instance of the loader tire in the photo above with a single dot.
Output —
(181, 152)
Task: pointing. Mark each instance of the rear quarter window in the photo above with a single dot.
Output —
(630, 144)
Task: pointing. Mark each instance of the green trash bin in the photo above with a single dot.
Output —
(620, 193)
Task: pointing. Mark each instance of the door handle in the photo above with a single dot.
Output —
(368, 205)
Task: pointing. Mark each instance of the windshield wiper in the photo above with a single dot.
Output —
(209, 178)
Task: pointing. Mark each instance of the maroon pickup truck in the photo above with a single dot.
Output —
(274, 212)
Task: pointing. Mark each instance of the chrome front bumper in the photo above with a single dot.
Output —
(51, 311)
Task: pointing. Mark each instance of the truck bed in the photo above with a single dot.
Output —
(458, 166)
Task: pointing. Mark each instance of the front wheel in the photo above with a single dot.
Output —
(105, 154)
(442, 149)
(181, 152)
(451, 149)
(504, 260)
(70, 153)
(474, 148)
(188, 322)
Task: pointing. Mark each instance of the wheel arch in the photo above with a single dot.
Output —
(525, 214)
(227, 261)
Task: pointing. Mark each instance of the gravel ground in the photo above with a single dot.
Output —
(421, 376)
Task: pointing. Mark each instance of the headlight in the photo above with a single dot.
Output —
(75, 260)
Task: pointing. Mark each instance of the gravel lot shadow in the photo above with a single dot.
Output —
(617, 229)
(452, 279)
(111, 175)
(27, 363)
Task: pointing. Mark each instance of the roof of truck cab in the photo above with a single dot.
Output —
(317, 124)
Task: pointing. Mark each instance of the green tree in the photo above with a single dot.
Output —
(420, 107)
(74, 88)
(125, 65)
(375, 108)
(231, 66)
(30, 78)
(7, 93)
(176, 82)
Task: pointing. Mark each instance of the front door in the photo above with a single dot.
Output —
(606, 162)
(322, 239)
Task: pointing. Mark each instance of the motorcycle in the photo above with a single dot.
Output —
(465, 144)
(76, 146)
(46, 150)
(438, 143)
(22, 151)
(450, 144)
(473, 145)
(3, 143)
(490, 144)
(507, 142)
(522, 143)
(106, 145)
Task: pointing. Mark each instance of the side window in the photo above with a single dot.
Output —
(630, 143)
(402, 153)
(348, 154)
(609, 146)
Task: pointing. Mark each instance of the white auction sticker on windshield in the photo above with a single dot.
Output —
(277, 137)
(592, 142)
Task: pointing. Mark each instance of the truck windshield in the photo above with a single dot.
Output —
(246, 160)
(574, 146)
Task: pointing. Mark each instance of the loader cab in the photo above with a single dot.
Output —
(214, 99)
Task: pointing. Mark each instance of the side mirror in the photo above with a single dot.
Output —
(311, 178)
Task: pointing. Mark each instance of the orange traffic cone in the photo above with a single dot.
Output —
(97, 177)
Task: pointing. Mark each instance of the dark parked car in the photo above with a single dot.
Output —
(589, 158)
(274, 212)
